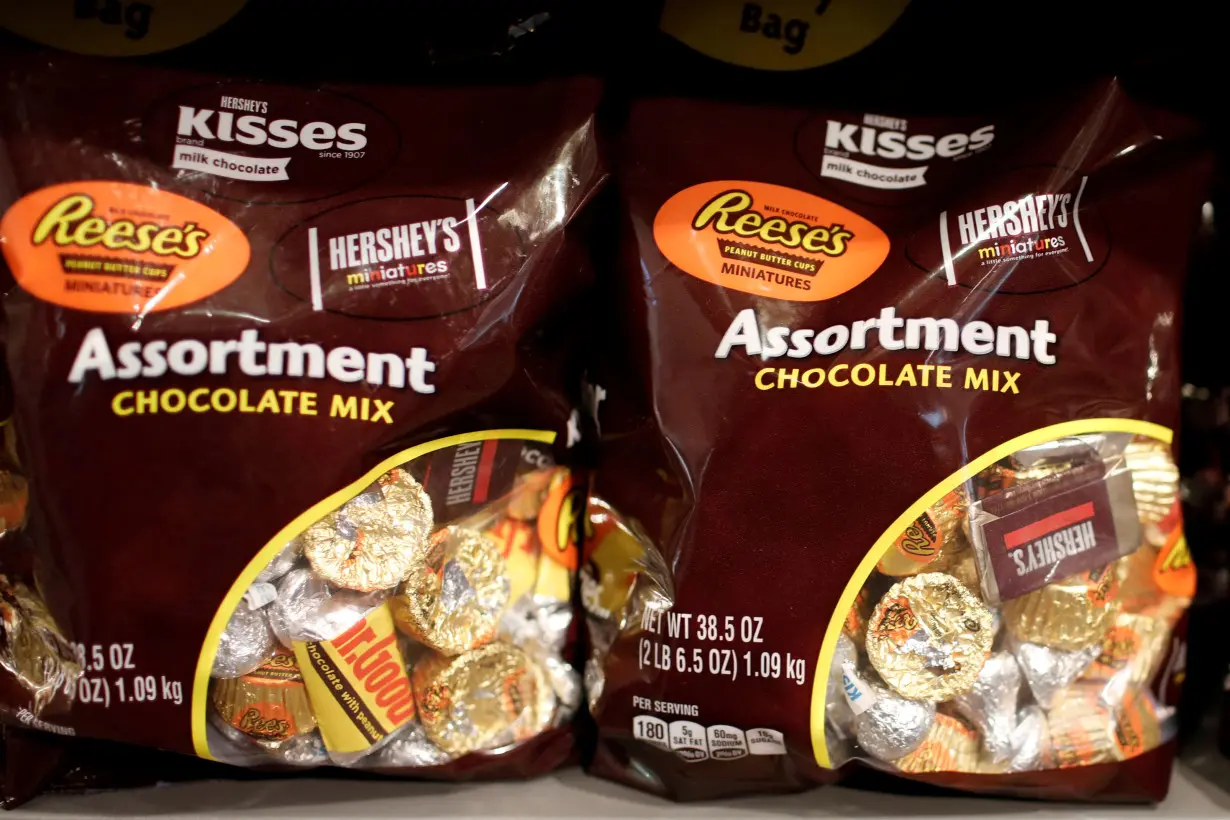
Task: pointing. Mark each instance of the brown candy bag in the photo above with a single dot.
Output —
(886, 471)
(290, 381)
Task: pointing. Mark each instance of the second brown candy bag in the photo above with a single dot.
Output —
(886, 474)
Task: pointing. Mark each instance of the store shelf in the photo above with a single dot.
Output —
(571, 794)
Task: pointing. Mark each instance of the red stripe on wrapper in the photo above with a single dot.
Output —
(1034, 531)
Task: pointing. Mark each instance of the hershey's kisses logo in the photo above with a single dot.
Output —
(885, 160)
(880, 152)
(260, 142)
(241, 122)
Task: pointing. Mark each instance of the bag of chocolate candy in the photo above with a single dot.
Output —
(291, 374)
(886, 472)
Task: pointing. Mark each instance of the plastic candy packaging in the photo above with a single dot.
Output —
(290, 391)
(886, 433)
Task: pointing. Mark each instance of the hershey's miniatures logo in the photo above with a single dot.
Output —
(399, 257)
(1029, 230)
(266, 143)
(390, 255)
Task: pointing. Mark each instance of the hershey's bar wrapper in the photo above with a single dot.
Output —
(464, 478)
(1034, 534)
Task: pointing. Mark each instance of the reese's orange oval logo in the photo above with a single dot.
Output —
(116, 247)
(768, 240)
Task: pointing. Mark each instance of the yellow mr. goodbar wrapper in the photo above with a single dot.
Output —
(358, 685)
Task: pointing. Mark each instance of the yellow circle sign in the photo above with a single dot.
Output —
(779, 35)
(116, 28)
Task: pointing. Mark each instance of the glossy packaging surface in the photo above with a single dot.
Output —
(291, 390)
(889, 408)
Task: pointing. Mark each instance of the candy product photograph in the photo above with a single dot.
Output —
(529, 408)
(1033, 575)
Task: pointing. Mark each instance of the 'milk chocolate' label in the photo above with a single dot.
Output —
(1040, 532)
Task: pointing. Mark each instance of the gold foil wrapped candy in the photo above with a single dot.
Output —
(1034, 472)
(1131, 653)
(482, 699)
(1082, 729)
(375, 539)
(453, 601)
(1155, 478)
(929, 637)
(270, 704)
(1069, 614)
(1137, 725)
(1169, 610)
(964, 567)
(934, 535)
(1085, 730)
(517, 542)
(855, 626)
(951, 746)
(994, 479)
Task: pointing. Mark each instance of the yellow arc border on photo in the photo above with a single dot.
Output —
(882, 544)
(200, 686)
